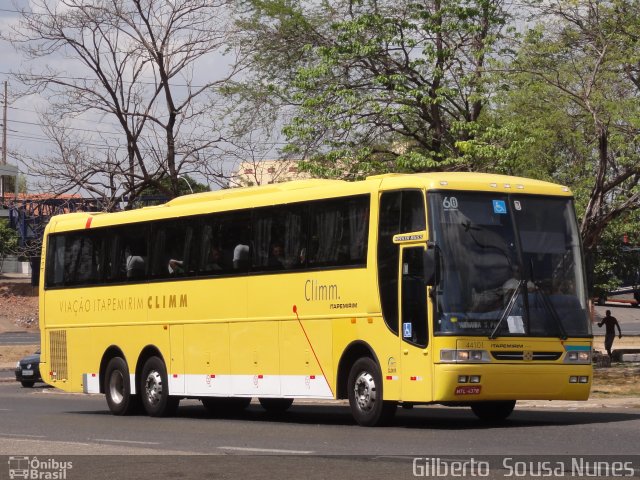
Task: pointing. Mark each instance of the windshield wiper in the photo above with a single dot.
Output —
(552, 310)
(508, 308)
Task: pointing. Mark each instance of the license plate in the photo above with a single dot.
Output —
(27, 373)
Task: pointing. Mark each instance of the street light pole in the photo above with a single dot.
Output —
(187, 182)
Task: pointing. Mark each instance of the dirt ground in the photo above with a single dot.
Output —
(18, 306)
(10, 354)
(621, 380)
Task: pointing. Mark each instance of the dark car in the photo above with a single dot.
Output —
(28, 370)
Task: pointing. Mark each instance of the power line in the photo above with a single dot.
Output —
(141, 82)
(71, 128)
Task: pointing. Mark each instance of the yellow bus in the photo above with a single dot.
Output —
(451, 288)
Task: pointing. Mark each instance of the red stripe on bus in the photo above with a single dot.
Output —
(88, 224)
(295, 310)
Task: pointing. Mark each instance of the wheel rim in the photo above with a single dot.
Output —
(116, 387)
(153, 387)
(365, 391)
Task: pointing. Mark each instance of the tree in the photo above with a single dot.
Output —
(8, 241)
(137, 62)
(573, 104)
(614, 262)
(378, 85)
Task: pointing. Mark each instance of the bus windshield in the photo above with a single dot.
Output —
(510, 265)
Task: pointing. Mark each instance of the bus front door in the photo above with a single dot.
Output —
(415, 364)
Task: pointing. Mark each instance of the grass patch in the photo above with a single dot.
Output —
(621, 380)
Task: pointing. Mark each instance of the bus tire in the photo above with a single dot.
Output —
(493, 411)
(154, 389)
(225, 405)
(364, 386)
(117, 388)
(276, 405)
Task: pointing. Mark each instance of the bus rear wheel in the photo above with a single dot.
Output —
(117, 388)
(365, 394)
(225, 405)
(276, 405)
(155, 389)
(493, 411)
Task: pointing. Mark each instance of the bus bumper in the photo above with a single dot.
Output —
(453, 383)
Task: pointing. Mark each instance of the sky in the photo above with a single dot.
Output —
(24, 131)
(23, 126)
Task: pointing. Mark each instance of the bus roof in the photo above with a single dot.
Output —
(472, 181)
(300, 190)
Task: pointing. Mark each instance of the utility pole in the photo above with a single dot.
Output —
(4, 139)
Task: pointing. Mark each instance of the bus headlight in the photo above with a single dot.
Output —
(578, 356)
(464, 356)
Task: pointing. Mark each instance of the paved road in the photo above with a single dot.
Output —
(311, 440)
(628, 317)
(20, 338)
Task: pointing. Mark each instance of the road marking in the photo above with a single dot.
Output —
(21, 435)
(266, 450)
(4, 410)
(125, 441)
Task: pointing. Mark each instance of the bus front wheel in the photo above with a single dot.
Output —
(117, 388)
(365, 394)
(276, 405)
(493, 411)
(155, 389)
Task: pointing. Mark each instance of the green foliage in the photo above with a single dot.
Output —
(613, 262)
(184, 185)
(8, 241)
(10, 184)
(379, 86)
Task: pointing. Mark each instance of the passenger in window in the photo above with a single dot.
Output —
(214, 260)
(241, 257)
(276, 256)
(175, 266)
(134, 263)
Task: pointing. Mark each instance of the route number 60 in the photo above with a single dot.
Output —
(450, 202)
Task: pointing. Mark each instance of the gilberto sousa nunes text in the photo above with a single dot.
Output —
(513, 467)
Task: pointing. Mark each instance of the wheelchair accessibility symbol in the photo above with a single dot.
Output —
(406, 330)
(499, 207)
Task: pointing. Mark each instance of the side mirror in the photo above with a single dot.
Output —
(430, 265)
(35, 271)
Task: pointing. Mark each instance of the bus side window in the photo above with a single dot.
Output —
(132, 253)
(55, 261)
(279, 236)
(339, 232)
(172, 249)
